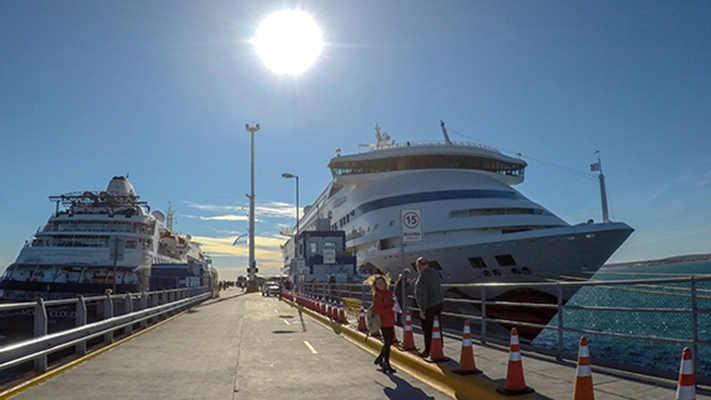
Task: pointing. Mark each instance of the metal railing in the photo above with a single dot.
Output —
(113, 313)
(632, 325)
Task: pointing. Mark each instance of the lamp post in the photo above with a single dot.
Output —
(287, 175)
(252, 285)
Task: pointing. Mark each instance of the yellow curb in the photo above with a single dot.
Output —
(439, 376)
(65, 367)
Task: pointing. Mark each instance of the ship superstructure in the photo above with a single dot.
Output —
(88, 237)
(474, 226)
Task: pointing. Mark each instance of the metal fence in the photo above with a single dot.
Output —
(631, 325)
(94, 317)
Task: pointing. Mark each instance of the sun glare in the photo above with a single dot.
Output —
(288, 42)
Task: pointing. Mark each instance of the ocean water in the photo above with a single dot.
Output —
(654, 354)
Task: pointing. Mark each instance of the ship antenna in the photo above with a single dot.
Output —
(444, 131)
(170, 217)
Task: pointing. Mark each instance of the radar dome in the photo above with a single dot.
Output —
(159, 216)
(307, 209)
(121, 185)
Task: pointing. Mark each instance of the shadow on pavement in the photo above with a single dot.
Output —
(403, 390)
(483, 380)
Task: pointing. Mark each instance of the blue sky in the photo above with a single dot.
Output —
(161, 90)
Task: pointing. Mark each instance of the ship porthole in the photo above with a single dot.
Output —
(526, 271)
(486, 272)
(497, 272)
(515, 271)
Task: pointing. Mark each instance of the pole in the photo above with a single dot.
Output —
(603, 191)
(252, 279)
(297, 206)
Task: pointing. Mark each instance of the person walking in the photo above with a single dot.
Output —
(383, 302)
(401, 295)
(428, 294)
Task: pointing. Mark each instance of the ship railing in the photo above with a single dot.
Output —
(433, 143)
(116, 315)
(629, 324)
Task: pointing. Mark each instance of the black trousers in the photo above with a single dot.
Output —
(427, 325)
(388, 334)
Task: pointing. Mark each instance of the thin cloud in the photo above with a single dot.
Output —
(213, 207)
(266, 249)
(229, 217)
(266, 209)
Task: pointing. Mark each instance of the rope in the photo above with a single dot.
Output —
(529, 157)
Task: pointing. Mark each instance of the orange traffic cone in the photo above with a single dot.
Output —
(436, 351)
(341, 313)
(466, 360)
(583, 389)
(361, 320)
(515, 383)
(686, 389)
(408, 340)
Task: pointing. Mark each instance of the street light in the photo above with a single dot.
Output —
(287, 175)
(252, 285)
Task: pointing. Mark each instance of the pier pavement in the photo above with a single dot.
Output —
(251, 347)
(236, 347)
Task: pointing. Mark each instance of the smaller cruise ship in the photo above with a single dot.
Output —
(96, 241)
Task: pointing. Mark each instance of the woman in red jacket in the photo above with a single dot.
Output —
(383, 302)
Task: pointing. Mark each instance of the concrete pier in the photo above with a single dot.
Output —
(245, 346)
(235, 347)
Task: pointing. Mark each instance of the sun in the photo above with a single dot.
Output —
(288, 42)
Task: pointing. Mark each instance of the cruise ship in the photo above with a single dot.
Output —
(454, 204)
(96, 241)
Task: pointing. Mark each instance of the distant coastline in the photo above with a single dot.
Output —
(662, 261)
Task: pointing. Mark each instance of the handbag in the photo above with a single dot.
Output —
(372, 320)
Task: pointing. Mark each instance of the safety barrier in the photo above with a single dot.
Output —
(680, 309)
(136, 309)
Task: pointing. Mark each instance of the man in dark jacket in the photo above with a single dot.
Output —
(428, 294)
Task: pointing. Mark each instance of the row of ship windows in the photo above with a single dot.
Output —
(430, 161)
(477, 212)
(88, 226)
(87, 241)
(504, 260)
(343, 221)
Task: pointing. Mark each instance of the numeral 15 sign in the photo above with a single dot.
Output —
(411, 225)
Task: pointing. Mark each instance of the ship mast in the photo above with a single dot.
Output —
(170, 217)
(603, 192)
(444, 131)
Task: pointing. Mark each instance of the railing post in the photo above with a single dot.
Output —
(694, 323)
(155, 301)
(483, 313)
(559, 289)
(143, 305)
(40, 330)
(108, 313)
(81, 319)
(128, 308)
